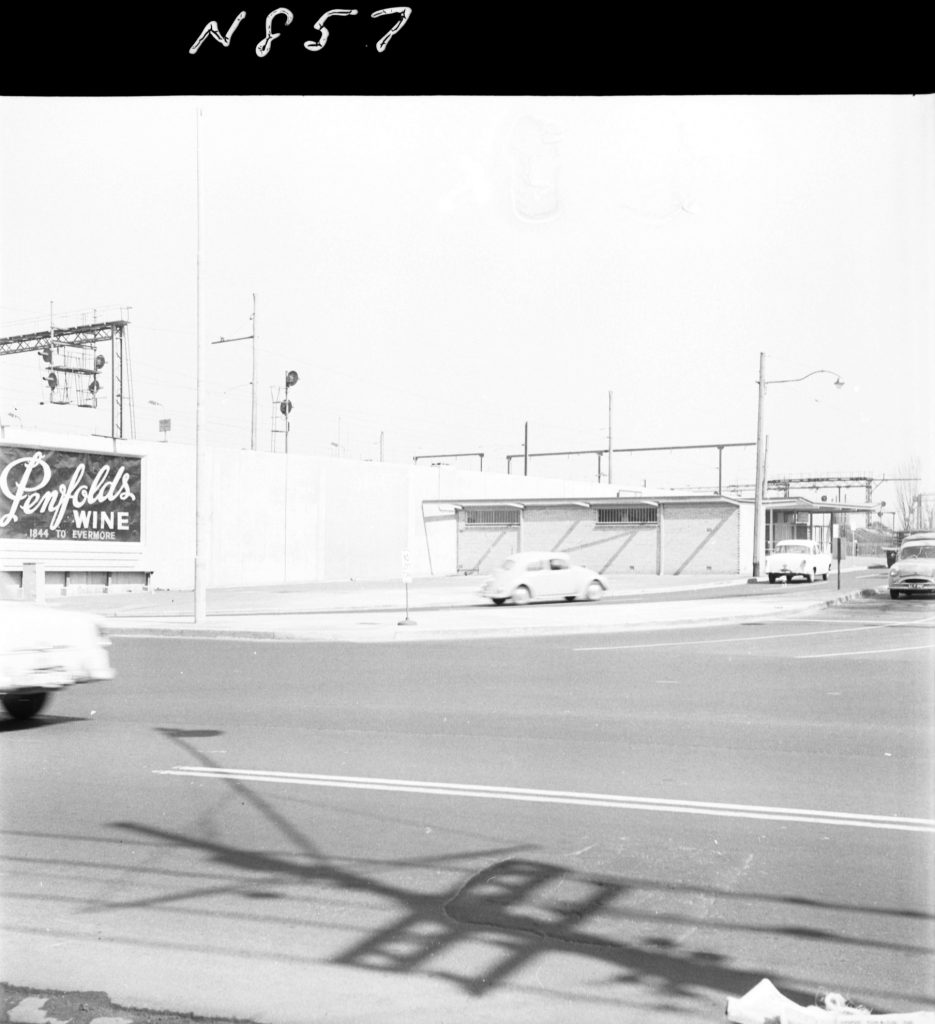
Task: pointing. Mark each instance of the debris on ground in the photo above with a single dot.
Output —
(765, 1004)
(20, 1005)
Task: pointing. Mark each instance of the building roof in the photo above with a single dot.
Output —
(793, 504)
(650, 501)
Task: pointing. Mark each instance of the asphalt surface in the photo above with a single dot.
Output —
(298, 613)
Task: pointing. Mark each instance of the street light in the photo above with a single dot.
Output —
(165, 425)
(13, 414)
(758, 532)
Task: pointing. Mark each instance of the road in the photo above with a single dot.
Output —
(619, 826)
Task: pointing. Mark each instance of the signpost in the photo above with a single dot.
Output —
(836, 541)
(407, 579)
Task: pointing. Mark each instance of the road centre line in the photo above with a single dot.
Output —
(604, 800)
(857, 654)
(728, 639)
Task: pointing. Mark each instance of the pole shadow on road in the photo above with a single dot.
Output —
(516, 910)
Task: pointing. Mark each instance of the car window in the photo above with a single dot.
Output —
(559, 563)
(918, 551)
(535, 566)
(800, 549)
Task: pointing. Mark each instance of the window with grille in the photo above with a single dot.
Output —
(491, 517)
(627, 514)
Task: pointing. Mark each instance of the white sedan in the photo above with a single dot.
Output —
(547, 575)
(45, 649)
(798, 558)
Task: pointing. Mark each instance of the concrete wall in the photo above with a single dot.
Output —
(692, 539)
(700, 539)
(602, 547)
(275, 519)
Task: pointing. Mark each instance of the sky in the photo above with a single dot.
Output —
(445, 273)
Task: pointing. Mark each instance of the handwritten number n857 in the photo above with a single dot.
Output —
(212, 31)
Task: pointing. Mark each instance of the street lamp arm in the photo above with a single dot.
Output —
(758, 493)
(794, 380)
(224, 341)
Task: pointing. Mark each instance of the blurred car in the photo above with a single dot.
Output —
(798, 558)
(901, 537)
(45, 649)
(543, 575)
(913, 572)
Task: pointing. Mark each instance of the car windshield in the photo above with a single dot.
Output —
(801, 549)
(918, 551)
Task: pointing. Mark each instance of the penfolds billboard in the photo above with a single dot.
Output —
(53, 494)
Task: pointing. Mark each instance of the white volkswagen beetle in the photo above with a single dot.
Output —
(547, 575)
(45, 649)
(798, 558)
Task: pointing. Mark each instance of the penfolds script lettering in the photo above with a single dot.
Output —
(24, 482)
(281, 18)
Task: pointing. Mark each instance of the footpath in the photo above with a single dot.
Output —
(452, 606)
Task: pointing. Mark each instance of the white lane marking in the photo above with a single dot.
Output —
(633, 803)
(881, 622)
(857, 654)
(728, 639)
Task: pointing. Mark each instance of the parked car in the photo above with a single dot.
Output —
(902, 536)
(798, 558)
(45, 649)
(545, 575)
(913, 572)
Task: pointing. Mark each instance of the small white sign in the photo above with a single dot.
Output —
(407, 567)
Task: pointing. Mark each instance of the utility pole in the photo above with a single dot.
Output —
(201, 467)
(253, 379)
(760, 474)
(610, 437)
(526, 449)
(251, 337)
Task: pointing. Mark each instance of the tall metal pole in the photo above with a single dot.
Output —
(253, 381)
(526, 448)
(201, 474)
(760, 471)
(610, 437)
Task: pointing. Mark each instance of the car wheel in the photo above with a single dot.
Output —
(772, 577)
(24, 705)
(824, 576)
(594, 591)
(569, 597)
(895, 595)
(521, 595)
(498, 600)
